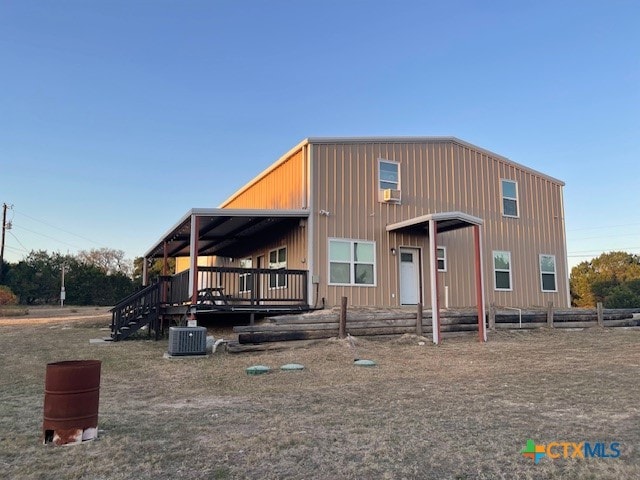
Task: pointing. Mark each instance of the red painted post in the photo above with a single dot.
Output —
(194, 293)
(435, 309)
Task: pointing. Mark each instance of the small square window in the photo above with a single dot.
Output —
(442, 259)
(548, 273)
(388, 175)
(509, 198)
(502, 270)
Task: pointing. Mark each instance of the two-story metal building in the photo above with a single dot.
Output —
(384, 221)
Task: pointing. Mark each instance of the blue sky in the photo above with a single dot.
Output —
(117, 117)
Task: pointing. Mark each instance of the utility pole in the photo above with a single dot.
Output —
(4, 227)
(63, 293)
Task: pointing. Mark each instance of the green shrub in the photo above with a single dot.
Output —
(621, 296)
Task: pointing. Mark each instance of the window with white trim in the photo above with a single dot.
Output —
(352, 262)
(509, 198)
(548, 273)
(245, 279)
(388, 174)
(502, 270)
(278, 260)
(441, 255)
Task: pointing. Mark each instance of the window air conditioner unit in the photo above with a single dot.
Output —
(187, 341)
(391, 195)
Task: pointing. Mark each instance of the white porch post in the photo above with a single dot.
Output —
(193, 259)
(433, 272)
(482, 327)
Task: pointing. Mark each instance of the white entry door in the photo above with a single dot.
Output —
(409, 276)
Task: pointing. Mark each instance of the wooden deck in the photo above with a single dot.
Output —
(220, 290)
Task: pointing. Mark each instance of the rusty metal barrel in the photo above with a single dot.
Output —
(71, 400)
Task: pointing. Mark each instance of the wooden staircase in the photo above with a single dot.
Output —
(138, 310)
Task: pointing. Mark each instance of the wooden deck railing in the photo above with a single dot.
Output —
(136, 311)
(229, 286)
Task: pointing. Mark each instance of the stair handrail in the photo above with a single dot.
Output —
(121, 313)
(135, 295)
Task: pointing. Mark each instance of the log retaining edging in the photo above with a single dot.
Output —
(371, 321)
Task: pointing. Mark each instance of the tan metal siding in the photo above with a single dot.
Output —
(282, 187)
(294, 240)
(437, 176)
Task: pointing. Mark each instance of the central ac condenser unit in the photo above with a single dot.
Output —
(187, 341)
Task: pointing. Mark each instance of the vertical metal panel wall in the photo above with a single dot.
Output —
(282, 186)
(436, 175)
(279, 187)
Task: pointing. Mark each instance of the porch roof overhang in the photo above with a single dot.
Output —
(223, 231)
(446, 221)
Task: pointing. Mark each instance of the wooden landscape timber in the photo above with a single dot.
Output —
(378, 322)
(564, 318)
(286, 335)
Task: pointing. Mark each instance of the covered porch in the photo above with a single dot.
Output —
(229, 234)
(431, 225)
(218, 234)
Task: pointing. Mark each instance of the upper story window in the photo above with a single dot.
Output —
(442, 259)
(548, 273)
(352, 262)
(278, 260)
(509, 198)
(389, 181)
(502, 270)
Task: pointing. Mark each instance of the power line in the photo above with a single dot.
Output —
(608, 236)
(9, 247)
(600, 227)
(17, 240)
(47, 236)
(58, 228)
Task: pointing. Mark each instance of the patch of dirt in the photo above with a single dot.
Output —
(44, 315)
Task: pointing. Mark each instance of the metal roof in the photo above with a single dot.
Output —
(223, 231)
(446, 221)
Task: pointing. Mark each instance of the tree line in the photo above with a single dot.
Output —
(612, 278)
(91, 277)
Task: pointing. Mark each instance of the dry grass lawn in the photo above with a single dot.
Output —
(462, 410)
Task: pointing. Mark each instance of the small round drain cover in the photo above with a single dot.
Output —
(257, 370)
(365, 363)
(292, 367)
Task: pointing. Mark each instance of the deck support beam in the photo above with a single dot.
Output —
(145, 271)
(193, 258)
(165, 258)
